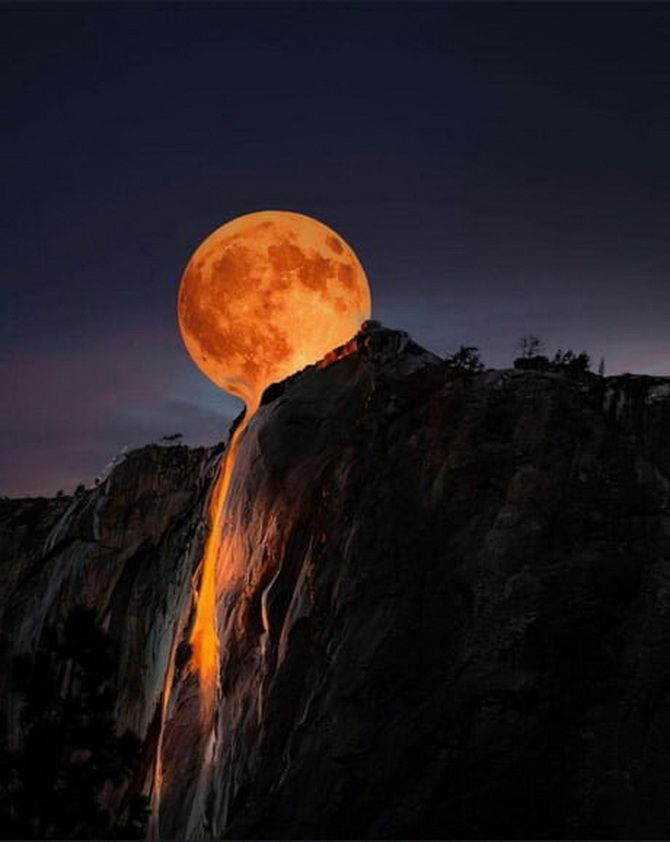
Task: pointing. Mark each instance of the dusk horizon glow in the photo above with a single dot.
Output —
(498, 169)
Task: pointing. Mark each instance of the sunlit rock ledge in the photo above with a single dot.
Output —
(452, 615)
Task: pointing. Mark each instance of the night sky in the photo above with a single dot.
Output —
(499, 169)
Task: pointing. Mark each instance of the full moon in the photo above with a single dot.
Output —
(267, 294)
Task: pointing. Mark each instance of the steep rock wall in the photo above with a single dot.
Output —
(128, 548)
(449, 613)
(453, 620)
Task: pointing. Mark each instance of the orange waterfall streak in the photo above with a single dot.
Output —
(204, 637)
(205, 634)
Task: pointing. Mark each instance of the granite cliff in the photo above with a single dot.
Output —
(450, 616)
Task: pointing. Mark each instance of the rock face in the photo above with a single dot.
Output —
(128, 548)
(450, 615)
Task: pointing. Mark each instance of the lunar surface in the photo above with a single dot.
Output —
(267, 294)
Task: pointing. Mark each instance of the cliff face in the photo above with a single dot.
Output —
(128, 548)
(449, 613)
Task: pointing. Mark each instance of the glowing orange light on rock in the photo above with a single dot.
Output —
(262, 297)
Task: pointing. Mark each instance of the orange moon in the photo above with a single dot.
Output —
(267, 294)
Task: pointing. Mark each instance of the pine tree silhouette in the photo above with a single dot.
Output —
(51, 788)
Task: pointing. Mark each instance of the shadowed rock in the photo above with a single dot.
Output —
(452, 617)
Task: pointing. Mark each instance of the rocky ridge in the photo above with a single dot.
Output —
(450, 618)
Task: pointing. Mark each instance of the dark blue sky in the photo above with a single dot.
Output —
(499, 169)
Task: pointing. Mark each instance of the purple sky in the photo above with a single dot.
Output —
(499, 169)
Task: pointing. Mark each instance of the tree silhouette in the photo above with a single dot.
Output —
(52, 786)
(563, 362)
(530, 346)
(570, 362)
(467, 357)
